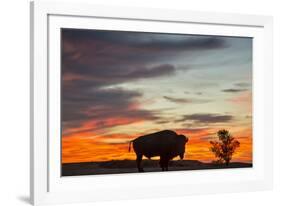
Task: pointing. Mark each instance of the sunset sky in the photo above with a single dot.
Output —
(118, 85)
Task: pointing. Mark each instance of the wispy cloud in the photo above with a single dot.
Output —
(186, 100)
(206, 118)
(234, 90)
(242, 84)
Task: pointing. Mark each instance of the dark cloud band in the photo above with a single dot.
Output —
(234, 90)
(186, 100)
(206, 118)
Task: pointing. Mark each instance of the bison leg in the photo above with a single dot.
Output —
(139, 159)
(162, 162)
(166, 164)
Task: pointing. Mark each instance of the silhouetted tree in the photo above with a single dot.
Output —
(225, 147)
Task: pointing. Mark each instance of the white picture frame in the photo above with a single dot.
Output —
(47, 186)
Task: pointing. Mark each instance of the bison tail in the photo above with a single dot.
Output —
(130, 146)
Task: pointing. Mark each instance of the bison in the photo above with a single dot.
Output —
(167, 144)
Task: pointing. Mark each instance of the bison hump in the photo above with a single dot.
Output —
(158, 137)
(163, 133)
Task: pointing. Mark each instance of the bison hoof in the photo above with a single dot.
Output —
(141, 170)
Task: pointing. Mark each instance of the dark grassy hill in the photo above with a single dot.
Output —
(129, 166)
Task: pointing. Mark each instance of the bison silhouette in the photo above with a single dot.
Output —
(167, 144)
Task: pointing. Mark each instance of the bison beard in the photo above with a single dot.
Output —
(167, 144)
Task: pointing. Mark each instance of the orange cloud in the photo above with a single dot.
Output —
(244, 100)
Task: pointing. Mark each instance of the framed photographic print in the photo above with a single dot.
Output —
(127, 105)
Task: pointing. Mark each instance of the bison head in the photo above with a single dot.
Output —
(181, 148)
